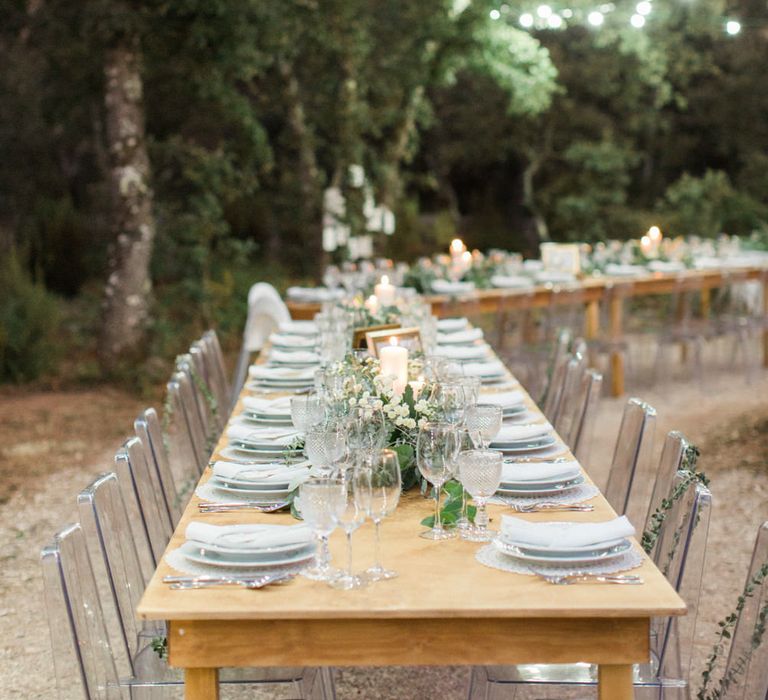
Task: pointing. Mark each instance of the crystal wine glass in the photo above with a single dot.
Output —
(321, 500)
(471, 387)
(451, 401)
(386, 484)
(306, 411)
(366, 431)
(484, 421)
(436, 448)
(357, 494)
(480, 474)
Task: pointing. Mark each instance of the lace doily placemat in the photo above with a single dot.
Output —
(176, 560)
(582, 492)
(492, 557)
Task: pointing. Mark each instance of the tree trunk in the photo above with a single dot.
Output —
(126, 296)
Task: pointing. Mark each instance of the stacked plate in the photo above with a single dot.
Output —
(288, 341)
(564, 544)
(293, 358)
(468, 336)
(265, 412)
(281, 378)
(489, 371)
(451, 325)
(261, 483)
(465, 353)
(539, 479)
(512, 402)
(530, 437)
(262, 443)
(298, 328)
(511, 282)
(248, 547)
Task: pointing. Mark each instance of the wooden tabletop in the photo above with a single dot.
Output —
(436, 579)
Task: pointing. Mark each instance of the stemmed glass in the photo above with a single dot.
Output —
(306, 411)
(484, 421)
(436, 448)
(324, 446)
(366, 431)
(386, 484)
(357, 495)
(471, 387)
(480, 474)
(321, 500)
(451, 401)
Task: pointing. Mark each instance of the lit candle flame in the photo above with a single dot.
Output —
(393, 340)
(384, 279)
(457, 245)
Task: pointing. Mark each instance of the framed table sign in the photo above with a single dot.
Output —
(359, 339)
(408, 338)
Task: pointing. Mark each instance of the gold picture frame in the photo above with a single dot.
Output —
(359, 337)
(409, 338)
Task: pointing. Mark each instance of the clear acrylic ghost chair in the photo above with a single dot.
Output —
(682, 545)
(203, 401)
(748, 656)
(583, 426)
(153, 522)
(149, 431)
(206, 391)
(266, 311)
(80, 641)
(558, 358)
(105, 522)
(563, 414)
(631, 475)
(182, 403)
(214, 359)
(183, 455)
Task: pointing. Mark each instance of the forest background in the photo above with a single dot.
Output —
(159, 157)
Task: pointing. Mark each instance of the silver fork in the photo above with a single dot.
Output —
(214, 507)
(552, 507)
(181, 583)
(564, 580)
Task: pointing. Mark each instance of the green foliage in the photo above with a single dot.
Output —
(451, 509)
(29, 318)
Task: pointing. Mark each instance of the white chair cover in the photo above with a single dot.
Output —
(266, 311)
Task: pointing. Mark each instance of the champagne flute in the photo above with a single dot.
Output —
(451, 401)
(386, 484)
(320, 500)
(357, 494)
(480, 474)
(436, 448)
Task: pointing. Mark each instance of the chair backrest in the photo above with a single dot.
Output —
(266, 311)
(214, 359)
(134, 472)
(583, 427)
(681, 556)
(104, 520)
(630, 478)
(558, 359)
(564, 413)
(671, 461)
(191, 365)
(82, 654)
(183, 402)
(149, 431)
(748, 655)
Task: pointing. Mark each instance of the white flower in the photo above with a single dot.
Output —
(353, 402)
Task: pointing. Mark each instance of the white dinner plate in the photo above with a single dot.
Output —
(550, 557)
(256, 495)
(193, 554)
(540, 483)
(280, 550)
(246, 486)
(518, 490)
(522, 445)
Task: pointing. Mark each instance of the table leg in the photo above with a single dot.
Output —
(765, 313)
(616, 312)
(615, 682)
(201, 684)
(592, 325)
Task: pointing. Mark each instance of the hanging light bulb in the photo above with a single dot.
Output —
(732, 27)
(595, 18)
(637, 21)
(644, 8)
(544, 11)
(495, 14)
(554, 21)
(526, 20)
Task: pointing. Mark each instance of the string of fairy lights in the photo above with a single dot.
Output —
(546, 17)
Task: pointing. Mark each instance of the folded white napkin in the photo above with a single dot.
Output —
(303, 357)
(451, 325)
(463, 352)
(665, 266)
(564, 534)
(621, 270)
(249, 537)
(292, 341)
(298, 327)
(262, 473)
(470, 335)
(512, 472)
(269, 407)
(505, 399)
(514, 433)
(448, 287)
(511, 281)
(288, 373)
(277, 436)
(483, 369)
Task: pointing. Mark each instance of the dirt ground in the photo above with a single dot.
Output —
(51, 445)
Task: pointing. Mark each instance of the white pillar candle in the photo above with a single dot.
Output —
(385, 292)
(372, 303)
(393, 361)
(646, 245)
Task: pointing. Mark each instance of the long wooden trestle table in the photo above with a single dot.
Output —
(593, 292)
(444, 608)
